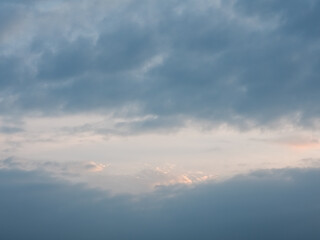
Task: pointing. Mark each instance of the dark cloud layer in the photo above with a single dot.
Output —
(274, 204)
(242, 61)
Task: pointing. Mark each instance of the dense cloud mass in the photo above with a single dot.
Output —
(78, 77)
(273, 204)
(236, 62)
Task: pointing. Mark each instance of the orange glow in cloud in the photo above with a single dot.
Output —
(299, 142)
(302, 144)
(95, 167)
(306, 146)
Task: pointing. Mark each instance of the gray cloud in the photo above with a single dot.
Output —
(10, 130)
(243, 62)
(273, 204)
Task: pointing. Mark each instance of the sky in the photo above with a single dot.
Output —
(172, 119)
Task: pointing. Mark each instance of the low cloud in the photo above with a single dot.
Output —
(269, 204)
(101, 175)
(95, 167)
(10, 130)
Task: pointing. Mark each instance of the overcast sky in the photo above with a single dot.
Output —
(155, 103)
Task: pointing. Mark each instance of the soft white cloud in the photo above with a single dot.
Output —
(95, 167)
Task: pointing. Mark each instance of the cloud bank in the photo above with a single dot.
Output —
(244, 63)
(269, 204)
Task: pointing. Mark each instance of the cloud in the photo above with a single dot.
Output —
(295, 141)
(103, 176)
(10, 130)
(243, 63)
(266, 204)
(95, 167)
(311, 162)
(53, 168)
